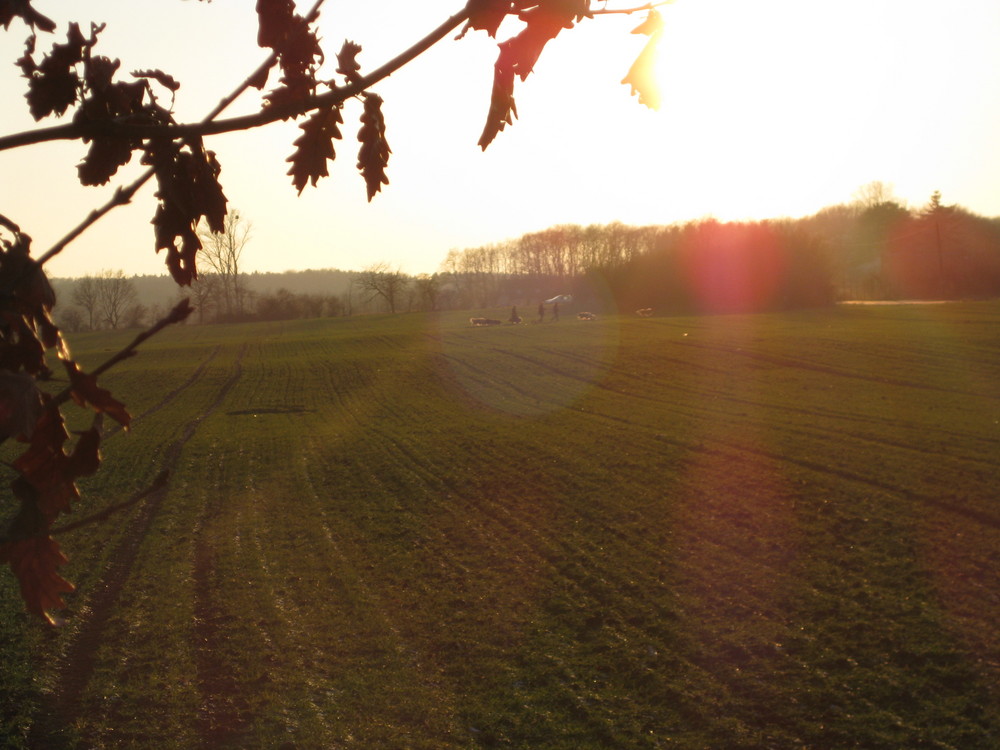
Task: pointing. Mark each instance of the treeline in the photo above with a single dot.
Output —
(111, 300)
(874, 248)
(883, 250)
(702, 266)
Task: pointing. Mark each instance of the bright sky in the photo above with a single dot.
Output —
(770, 108)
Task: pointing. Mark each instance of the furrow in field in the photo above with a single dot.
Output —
(657, 614)
(363, 606)
(509, 396)
(579, 571)
(812, 465)
(708, 398)
(318, 627)
(420, 463)
(380, 545)
(822, 437)
(78, 660)
(825, 469)
(903, 498)
(159, 431)
(170, 396)
(822, 432)
(492, 514)
(483, 376)
(486, 530)
(838, 372)
(253, 635)
(223, 716)
(280, 618)
(393, 342)
(707, 403)
(719, 656)
(900, 492)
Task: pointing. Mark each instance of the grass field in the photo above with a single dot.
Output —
(770, 531)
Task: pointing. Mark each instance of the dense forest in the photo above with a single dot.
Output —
(873, 248)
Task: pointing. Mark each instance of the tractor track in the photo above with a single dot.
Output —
(75, 666)
(700, 396)
(942, 503)
(169, 397)
(164, 473)
(549, 561)
(704, 411)
(221, 719)
(557, 560)
(825, 370)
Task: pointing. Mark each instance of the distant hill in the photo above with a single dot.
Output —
(162, 291)
(326, 281)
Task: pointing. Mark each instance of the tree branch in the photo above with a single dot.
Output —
(211, 126)
(123, 195)
(178, 314)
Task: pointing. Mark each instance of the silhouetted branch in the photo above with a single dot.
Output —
(178, 314)
(209, 126)
(158, 483)
(630, 11)
(121, 197)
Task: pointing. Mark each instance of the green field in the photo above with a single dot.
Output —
(769, 531)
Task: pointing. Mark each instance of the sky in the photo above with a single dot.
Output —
(770, 108)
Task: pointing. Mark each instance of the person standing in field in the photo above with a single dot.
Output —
(555, 312)
(514, 317)
(541, 311)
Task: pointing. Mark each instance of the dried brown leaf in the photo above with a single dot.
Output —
(20, 405)
(11, 9)
(373, 156)
(503, 109)
(347, 65)
(487, 15)
(85, 390)
(36, 561)
(314, 147)
(641, 77)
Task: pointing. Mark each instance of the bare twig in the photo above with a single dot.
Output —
(158, 483)
(122, 196)
(10, 225)
(179, 313)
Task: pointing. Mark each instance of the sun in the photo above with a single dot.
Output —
(758, 117)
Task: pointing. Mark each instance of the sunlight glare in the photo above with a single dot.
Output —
(768, 120)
